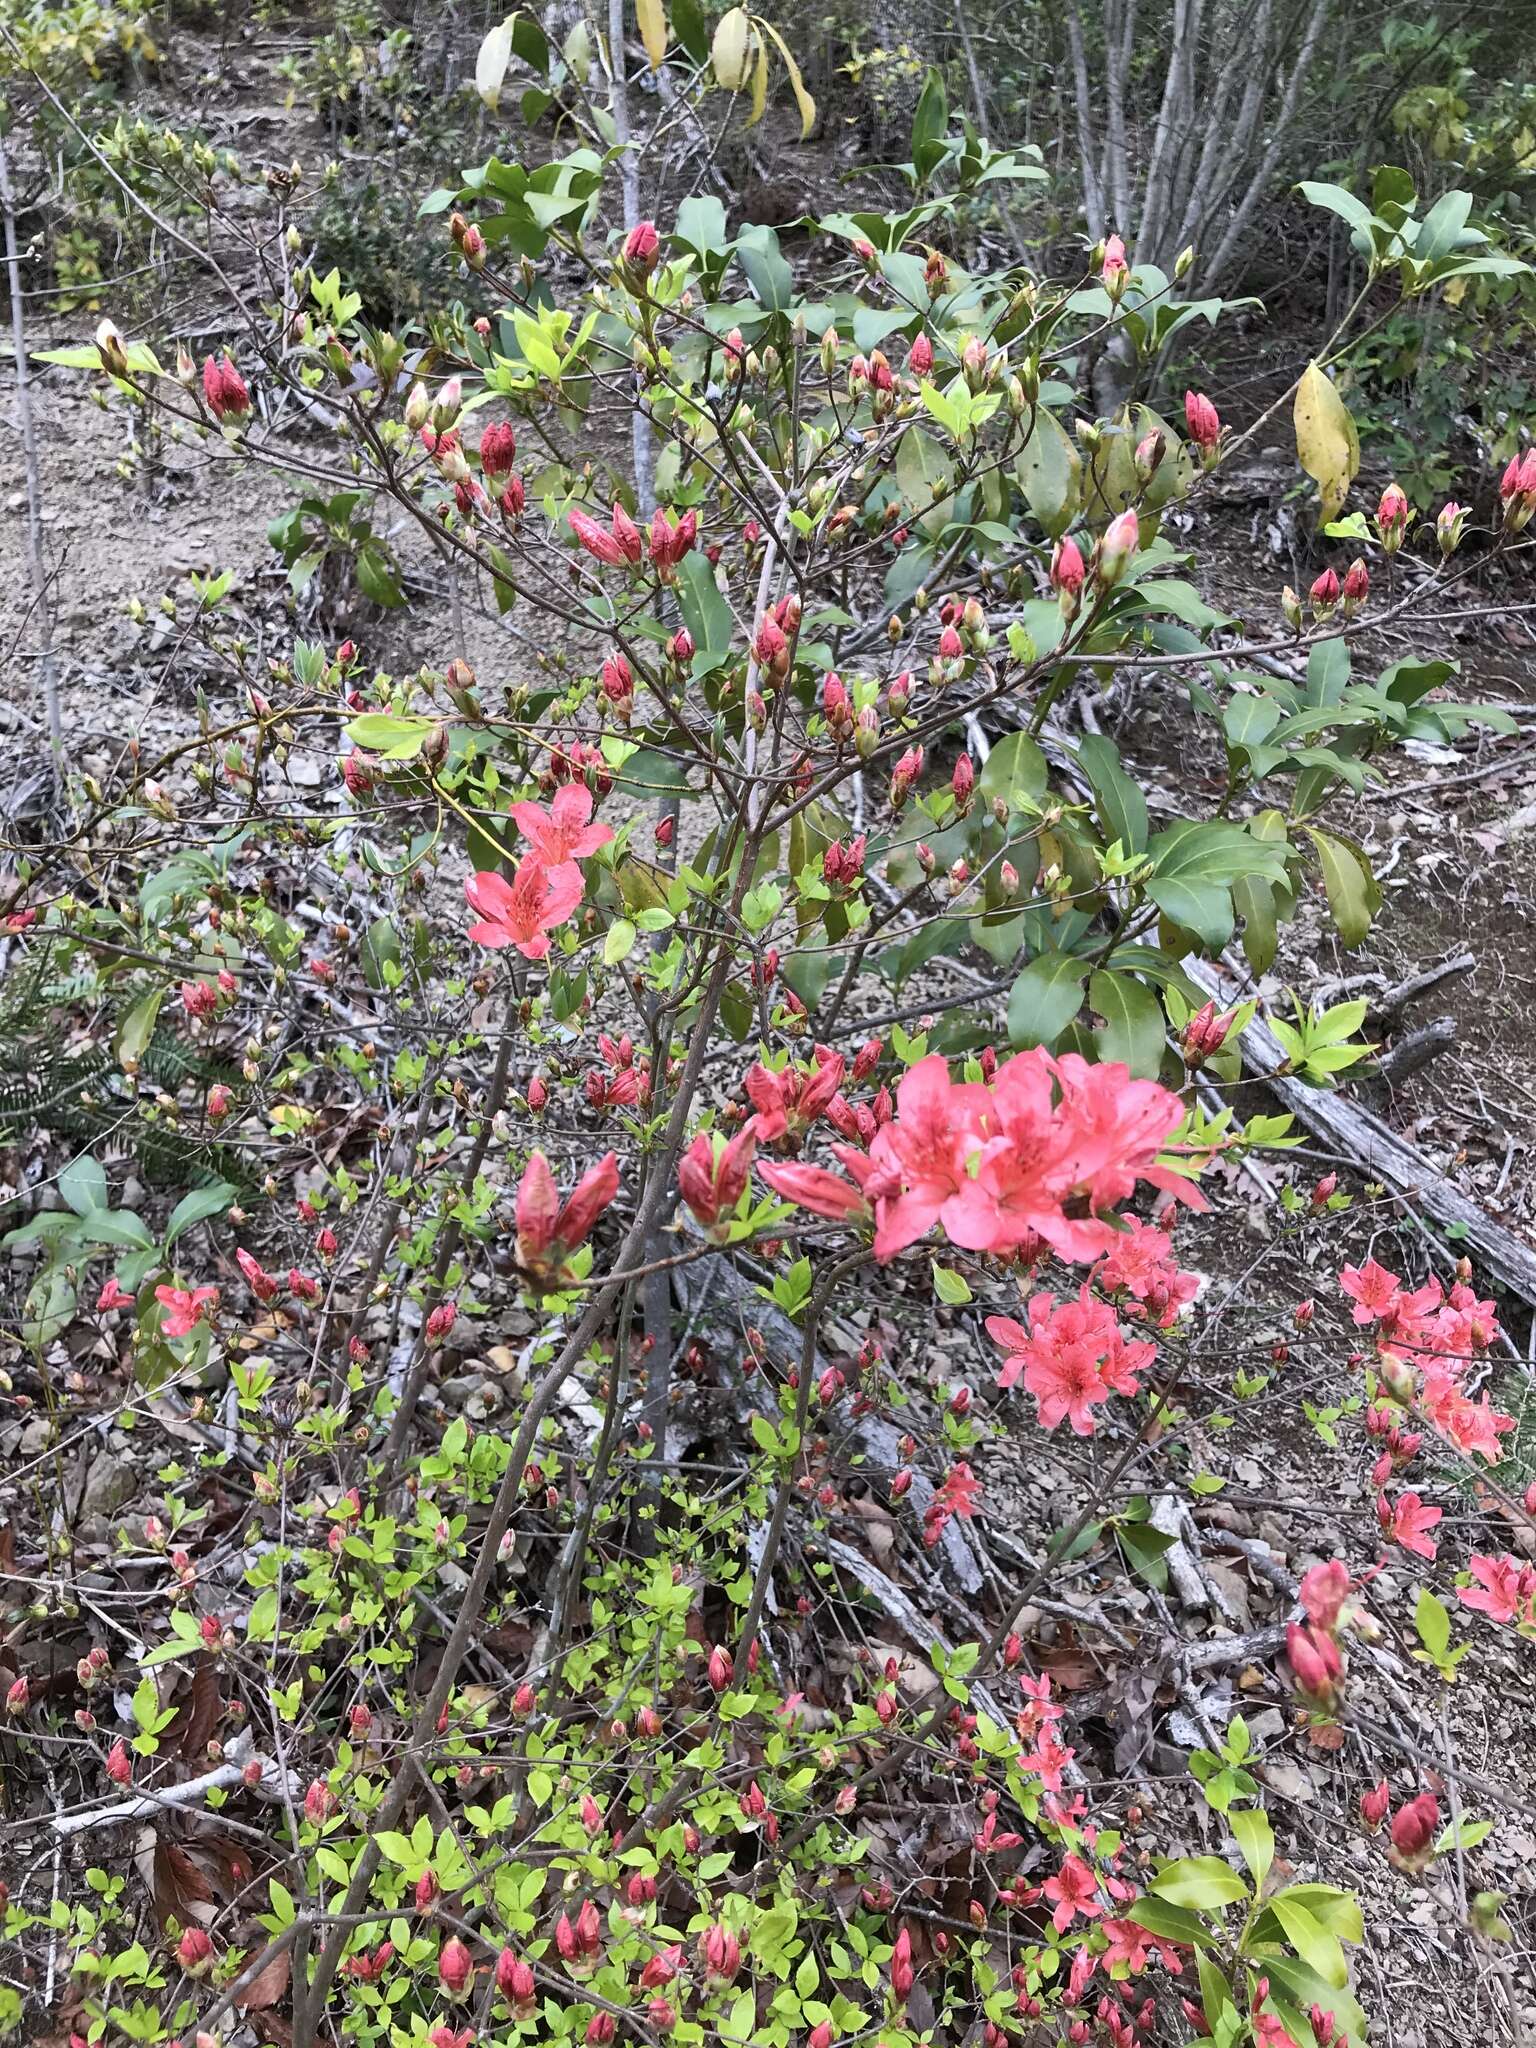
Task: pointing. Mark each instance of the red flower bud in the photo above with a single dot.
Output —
(1202, 420)
(902, 1973)
(642, 249)
(455, 1967)
(1414, 1827)
(1375, 1804)
(721, 1953)
(720, 1669)
(194, 1951)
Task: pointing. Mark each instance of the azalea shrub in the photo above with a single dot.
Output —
(784, 924)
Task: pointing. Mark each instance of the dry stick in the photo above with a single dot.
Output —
(36, 566)
(310, 2001)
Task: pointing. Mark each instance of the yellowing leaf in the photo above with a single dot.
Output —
(759, 85)
(1326, 441)
(803, 99)
(652, 17)
(491, 64)
(731, 51)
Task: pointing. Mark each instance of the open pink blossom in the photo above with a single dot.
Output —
(1407, 1522)
(185, 1309)
(1505, 1589)
(1074, 1890)
(524, 911)
(564, 831)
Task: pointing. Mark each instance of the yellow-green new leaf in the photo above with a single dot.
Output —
(491, 64)
(803, 99)
(731, 51)
(759, 84)
(652, 17)
(1326, 441)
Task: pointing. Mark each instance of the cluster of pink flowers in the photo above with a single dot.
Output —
(1438, 1334)
(1071, 1357)
(547, 886)
(1038, 1723)
(1008, 1167)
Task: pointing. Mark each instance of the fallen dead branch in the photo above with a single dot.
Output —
(1362, 1137)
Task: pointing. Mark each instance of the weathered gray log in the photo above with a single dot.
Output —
(1369, 1144)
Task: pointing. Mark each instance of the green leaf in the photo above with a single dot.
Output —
(767, 272)
(83, 1184)
(1317, 1948)
(618, 942)
(1045, 999)
(950, 1286)
(1173, 1923)
(1440, 229)
(1050, 474)
(1203, 908)
(1256, 1839)
(1354, 895)
(381, 946)
(1118, 800)
(1433, 1622)
(1203, 1883)
(395, 739)
(1344, 204)
(116, 1227)
(138, 1027)
(705, 612)
(376, 577)
(924, 477)
(1015, 767)
(1133, 1029)
(197, 1208)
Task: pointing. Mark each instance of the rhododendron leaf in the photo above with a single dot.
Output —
(1254, 901)
(1354, 896)
(651, 17)
(1050, 474)
(1170, 1922)
(1433, 1622)
(731, 50)
(396, 739)
(1133, 1027)
(1326, 441)
(1146, 1547)
(1203, 1883)
(1045, 999)
(951, 1287)
(1317, 1948)
(1121, 807)
(692, 30)
(619, 941)
(1016, 766)
(1255, 1838)
(83, 1184)
(1203, 909)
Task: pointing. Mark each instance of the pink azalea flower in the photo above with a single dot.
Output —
(1074, 1890)
(185, 1310)
(524, 911)
(1505, 1589)
(564, 831)
(1407, 1522)
(1372, 1288)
